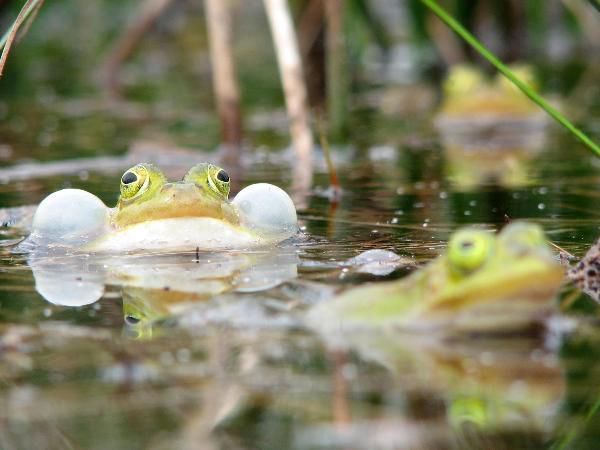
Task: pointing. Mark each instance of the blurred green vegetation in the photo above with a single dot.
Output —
(393, 42)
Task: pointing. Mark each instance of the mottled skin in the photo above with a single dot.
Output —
(468, 92)
(147, 195)
(586, 274)
(483, 283)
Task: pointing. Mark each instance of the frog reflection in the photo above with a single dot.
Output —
(157, 286)
(477, 391)
(467, 169)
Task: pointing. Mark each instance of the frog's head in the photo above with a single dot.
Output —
(483, 282)
(479, 266)
(462, 79)
(147, 195)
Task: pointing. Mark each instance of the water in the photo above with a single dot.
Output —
(210, 351)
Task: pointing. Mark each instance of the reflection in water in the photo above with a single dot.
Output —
(497, 153)
(386, 390)
(468, 169)
(229, 364)
(157, 286)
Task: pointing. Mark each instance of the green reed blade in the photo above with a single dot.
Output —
(473, 42)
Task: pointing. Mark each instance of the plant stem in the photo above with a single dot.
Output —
(227, 94)
(294, 88)
(7, 40)
(473, 42)
(337, 80)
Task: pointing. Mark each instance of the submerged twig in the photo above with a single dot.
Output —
(335, 189)
(562, 252)
(30, 6)
(492, 59)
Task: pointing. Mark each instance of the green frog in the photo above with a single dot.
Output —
(483, 283)
(153, 213)
(468, 93)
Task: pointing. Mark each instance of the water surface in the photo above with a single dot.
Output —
(210, 351)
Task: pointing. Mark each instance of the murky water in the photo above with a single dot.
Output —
(201, 350)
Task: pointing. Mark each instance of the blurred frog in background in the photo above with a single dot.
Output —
(490, 130)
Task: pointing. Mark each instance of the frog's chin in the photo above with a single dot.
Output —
(267, 211)
(70, 216)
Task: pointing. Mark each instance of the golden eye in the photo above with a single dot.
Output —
(469, 249)
(133, 181)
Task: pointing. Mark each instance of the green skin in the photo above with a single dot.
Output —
(468, 91)
(484, 283)
(147, 195)
(142, 307)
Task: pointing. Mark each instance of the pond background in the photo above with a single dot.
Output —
(76, 377)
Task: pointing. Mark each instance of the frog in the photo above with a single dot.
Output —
(490, 131)
(586, 273)
(469, 93)
(155, 214)
(483, 283)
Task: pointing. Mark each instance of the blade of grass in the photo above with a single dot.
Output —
(488, 55)
(9, 37)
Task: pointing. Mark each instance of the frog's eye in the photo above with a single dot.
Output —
(132, 320)
(469, 410)
(134, 181)
(129, 177)
(218, 180)
(469, 249)
(462, 79)
(223, 176)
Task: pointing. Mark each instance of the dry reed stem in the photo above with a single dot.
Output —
(294, 87)
(218, 17)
